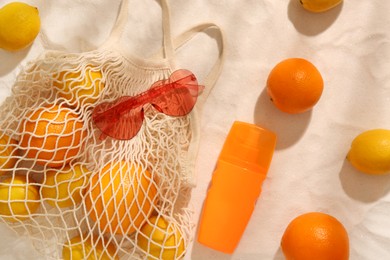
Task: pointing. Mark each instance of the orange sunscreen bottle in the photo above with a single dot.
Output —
(235, 186)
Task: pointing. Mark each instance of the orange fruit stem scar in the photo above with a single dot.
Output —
(236, 185)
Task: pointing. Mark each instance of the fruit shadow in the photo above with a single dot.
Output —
(289, 128)
(279, 255)
(363, 187)
(310, 23)
(10, 60)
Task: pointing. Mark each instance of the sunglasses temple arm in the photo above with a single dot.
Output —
(117, 107)
(127, 103)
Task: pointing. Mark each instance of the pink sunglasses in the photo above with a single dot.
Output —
(123, 118)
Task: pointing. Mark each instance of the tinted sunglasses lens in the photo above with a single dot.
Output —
(181, 96)
(122, 126)
(177, 101)
(123, 118)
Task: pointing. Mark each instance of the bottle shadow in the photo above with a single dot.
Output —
(363, 187)
(201, 252)
(289, 128)
(309, 23)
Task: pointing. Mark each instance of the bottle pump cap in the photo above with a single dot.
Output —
(249, 146)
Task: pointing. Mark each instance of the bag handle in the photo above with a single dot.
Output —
(209, 82)
(121, 21)
(119, 27)
(212, 77)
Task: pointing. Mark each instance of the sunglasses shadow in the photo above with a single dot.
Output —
(289, 128)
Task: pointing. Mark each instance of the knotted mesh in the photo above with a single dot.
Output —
(70, 189)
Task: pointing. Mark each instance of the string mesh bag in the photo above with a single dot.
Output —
(78, 194)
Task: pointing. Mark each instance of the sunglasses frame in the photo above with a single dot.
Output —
(107, 115)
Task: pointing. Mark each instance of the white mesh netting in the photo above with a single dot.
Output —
(79, 196)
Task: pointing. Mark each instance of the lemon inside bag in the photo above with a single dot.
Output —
(98, 192)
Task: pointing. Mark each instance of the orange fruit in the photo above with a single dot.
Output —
(295, 85)
(52, 134)
(315, 235)
(121, 197)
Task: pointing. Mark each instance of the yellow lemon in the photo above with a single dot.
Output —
(82, 86)
(19, 26)
(370, 151)
(64, 188)
(161, 239)
(18, 198)
(88, 249)
(8, 153)
(318, 6)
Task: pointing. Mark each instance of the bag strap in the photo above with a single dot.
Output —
(119, 27)
(215, 71)
(208, 82)
(121, 21)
